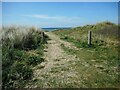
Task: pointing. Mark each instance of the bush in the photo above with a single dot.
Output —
(17, 74)
(31, 40)
(22, 38)
(16, 64)
(34, 60)
(21, 71)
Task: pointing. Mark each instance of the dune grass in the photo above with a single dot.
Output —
(22, 49)
(98, 65)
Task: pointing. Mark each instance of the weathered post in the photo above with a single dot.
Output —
(89, 38)
(42, 37)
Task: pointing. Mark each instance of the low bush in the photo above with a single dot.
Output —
(34, 60)
(16, 75)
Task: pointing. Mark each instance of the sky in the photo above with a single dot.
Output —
(58, 14)
(60, 0)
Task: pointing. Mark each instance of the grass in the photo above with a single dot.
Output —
(95, 69)
(22, 49)
(98, 64)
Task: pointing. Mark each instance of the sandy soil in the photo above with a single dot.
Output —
(57, 65)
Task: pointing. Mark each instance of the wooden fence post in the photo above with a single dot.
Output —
(89, 37)
(42, 37)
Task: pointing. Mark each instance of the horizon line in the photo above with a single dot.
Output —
(58, 26)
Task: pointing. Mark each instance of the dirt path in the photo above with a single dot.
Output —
(56, 71)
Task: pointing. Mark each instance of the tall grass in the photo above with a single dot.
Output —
(16, 62)
(19, 36)
(105, 32)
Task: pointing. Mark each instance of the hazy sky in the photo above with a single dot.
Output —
(62, 14)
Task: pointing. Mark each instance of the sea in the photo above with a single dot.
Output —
(54, 28)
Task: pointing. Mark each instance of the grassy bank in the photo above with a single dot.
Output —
(98, 65)
(22, 49)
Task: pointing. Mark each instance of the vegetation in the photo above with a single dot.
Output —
(98, 65)
(95, 66)
(22, 49)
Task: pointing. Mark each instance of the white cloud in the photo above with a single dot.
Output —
(55, 18)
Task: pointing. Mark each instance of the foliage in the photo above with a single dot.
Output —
(34, 60)
(17, 62)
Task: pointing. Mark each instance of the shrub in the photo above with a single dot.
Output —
(22, 38)
(16, 75)
(16, 64)
(21, 71)
(34, 60)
